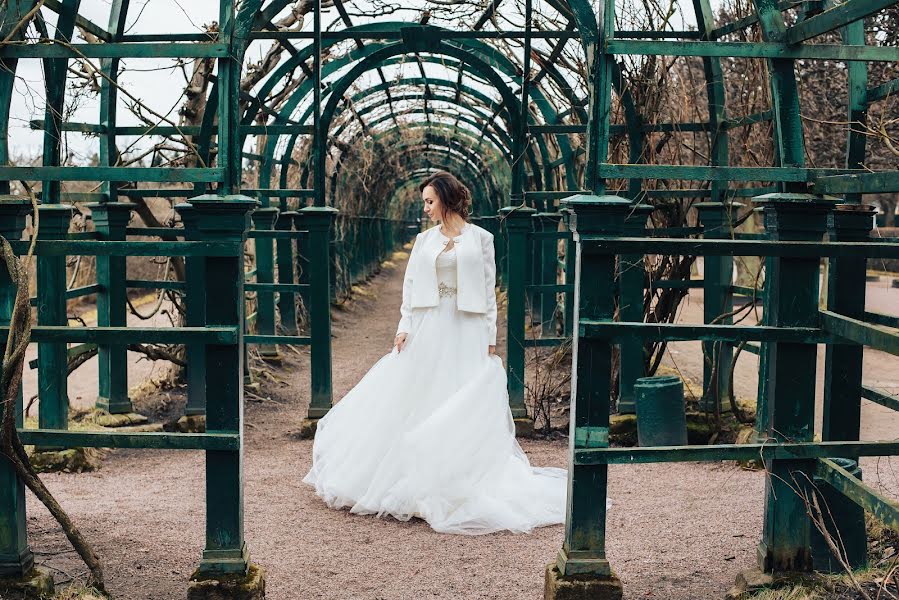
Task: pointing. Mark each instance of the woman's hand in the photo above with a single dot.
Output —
(399, 341)
(491, 349)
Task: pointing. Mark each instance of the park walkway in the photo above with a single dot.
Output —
(675, 531)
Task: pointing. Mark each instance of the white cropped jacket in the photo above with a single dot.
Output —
(475, 272)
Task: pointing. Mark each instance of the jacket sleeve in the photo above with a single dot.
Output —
(406, 306)
(490, 285)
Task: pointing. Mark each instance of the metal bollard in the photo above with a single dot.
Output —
(661, 413)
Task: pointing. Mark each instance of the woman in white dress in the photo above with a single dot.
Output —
(428, 432)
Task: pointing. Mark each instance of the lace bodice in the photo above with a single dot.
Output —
(446, 267)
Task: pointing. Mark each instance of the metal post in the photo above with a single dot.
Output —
(16, 558)
(549, 268)
(287, 306)
(264, 219)
(51, 310)
(224, 218)
(843, 373)
(791, 300)
(631, 282)
(718, 300)
(583, 553)
(195, 272)
(517, 222)
(110, 220)
(319, 220)
(570, 256)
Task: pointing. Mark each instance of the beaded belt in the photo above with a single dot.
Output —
(444, 290)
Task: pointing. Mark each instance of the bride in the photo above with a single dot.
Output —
(428, 432)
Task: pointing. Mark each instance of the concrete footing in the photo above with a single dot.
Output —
(524, 427)
(581, 587)
(70, 460)
(34, 585)
(307, 429)
(228, 587)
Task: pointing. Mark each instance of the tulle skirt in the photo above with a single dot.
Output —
(428, 433)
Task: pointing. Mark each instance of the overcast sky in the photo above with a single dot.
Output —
(155, 81)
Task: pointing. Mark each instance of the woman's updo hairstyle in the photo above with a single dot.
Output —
(453, 194)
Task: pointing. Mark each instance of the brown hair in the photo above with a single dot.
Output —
(453, 194)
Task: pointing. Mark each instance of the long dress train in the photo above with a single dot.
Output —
(427, 432)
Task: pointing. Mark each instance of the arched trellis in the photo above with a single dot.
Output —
(222, 219)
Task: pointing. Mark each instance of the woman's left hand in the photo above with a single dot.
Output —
(491, 349)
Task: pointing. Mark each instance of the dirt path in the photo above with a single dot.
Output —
(675, 531)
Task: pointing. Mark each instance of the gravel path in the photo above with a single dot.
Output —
(679, 531)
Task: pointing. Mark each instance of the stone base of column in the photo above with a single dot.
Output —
(580, 587)
(69, 460)
(36, 583)
(123, 419)
(524, 427)
(270, 355)
(228, 587)
(307, 429)
(114, 407)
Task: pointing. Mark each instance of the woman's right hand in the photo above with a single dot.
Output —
(399, 341)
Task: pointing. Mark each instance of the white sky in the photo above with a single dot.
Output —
(160, 85)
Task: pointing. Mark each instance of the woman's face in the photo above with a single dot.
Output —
(433, 205)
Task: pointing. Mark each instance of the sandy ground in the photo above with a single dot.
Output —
(678, 531)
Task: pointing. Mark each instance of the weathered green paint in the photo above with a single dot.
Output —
(769, 450)
(796, 249)
(224, 218)
(219, 441)
(717, 302)
(517, 223)
(791, 301)
(51, 311)
(287, 307)
(61, 334)
(110, 220)
(845, 296)
(631, 276)
(264, 218)
(318, 221)
(885, 339)
(583, 550)
(15, 555)
(767, 49)
(834, 18)
(884, 509)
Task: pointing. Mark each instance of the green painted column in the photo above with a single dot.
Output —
(302, 258)
(570, 261)
(846, 296)
(843, 375)
(583, 552)
(264, 220)
(631, 286)
(195, 314)
(517, 222)
(761, 401)
(16, 558)
(51, 310)
(110, 220)
(224, 219)
(791, 301)
(534, 271)
(287, 306)
(549, 269)
(319, 220)
(716, 219)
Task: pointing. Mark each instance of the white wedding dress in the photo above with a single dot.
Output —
(428, 433)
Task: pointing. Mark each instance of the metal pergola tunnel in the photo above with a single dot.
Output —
(569, 164)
